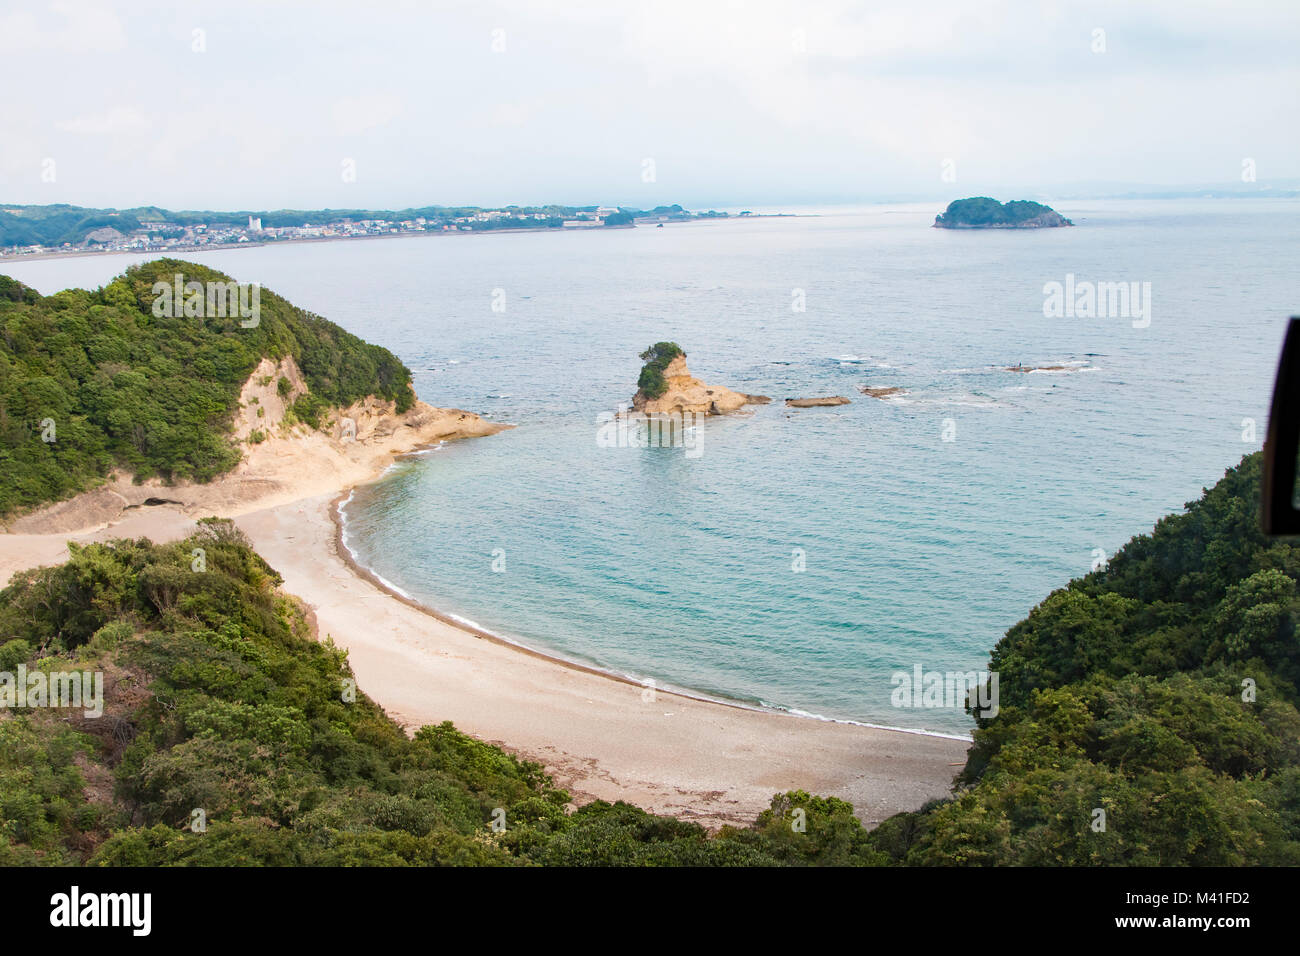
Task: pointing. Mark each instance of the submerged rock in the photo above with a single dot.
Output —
(880, 391)
(816, 402)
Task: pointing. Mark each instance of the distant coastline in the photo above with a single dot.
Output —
(37, 232)
(254, 244)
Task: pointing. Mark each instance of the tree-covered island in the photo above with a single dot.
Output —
(981, 212)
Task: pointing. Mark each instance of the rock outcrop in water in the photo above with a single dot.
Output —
(880, 391)
(1040, 368)
(816, 402)
(684, 394)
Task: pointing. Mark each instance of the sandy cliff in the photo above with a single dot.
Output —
(283, 460)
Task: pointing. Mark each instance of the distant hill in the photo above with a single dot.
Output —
(57, 224)
(95, 381)
(981, 212)
(54, 225)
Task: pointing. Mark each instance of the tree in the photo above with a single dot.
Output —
(657, 358)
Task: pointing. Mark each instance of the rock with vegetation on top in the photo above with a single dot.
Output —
(666, 386)
(981, 212)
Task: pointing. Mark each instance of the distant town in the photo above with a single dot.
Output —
(74, 230)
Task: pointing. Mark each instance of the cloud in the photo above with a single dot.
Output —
(68, 26)
(119, 119)
(755, 101)
(359, 114)
(514, 114)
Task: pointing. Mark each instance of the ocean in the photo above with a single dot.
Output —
(798, 558)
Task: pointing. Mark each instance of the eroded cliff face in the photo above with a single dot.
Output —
(262, 415)
(686, 394)
(283, 459)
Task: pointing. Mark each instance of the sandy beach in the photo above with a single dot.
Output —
(600, 736)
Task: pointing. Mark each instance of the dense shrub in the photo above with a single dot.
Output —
(656, 358)
(1159, 691)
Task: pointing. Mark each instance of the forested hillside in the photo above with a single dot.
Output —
(1161, 691)
(93, 381)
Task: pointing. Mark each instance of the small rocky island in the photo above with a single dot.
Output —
(981, 212)
(667, 387)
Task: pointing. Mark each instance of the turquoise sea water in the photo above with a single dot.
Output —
(917, 550)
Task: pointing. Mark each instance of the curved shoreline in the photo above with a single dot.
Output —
(598, 734)
(349, 558)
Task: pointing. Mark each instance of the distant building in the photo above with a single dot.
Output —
(254, 223)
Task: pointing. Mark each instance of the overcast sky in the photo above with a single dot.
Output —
(734, 102)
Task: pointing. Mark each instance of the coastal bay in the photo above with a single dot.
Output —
(600, 735)
(693, 556)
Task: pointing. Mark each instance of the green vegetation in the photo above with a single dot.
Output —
(218, 700)
(310, 409)
(1160, 690)
(983, 212)
(656, 358)
(93, 381)
(11, 290)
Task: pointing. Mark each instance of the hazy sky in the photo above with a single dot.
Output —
(736, 102)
